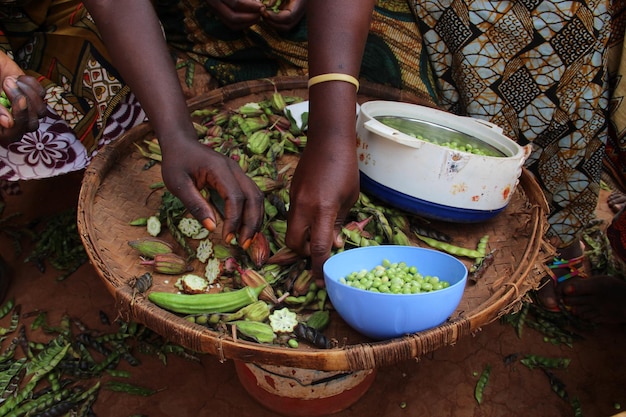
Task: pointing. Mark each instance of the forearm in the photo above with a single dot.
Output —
(133, 36)
(337, 34)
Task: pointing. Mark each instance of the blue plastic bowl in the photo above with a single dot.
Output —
(385, 316)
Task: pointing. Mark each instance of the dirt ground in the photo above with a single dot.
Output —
(439, 384)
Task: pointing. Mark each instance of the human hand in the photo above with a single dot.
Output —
(193, 166)
(598, 299)
(287, 17)
(26, 97)
(237, 14)
(323, 190)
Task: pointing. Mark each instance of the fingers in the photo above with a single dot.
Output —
(6, 118)
(578, 287)
(27, 104)
(243, 208)
(197, 205)
(287, 18)
(242, 214)
(586, 312)
(238, 14)
(35, 93)
(322, 238)
(297, 236)
(241, 6)
(315, 240)
(232, 191)
(282, 21)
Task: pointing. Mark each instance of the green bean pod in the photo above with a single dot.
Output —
(521, 320)
(6, 307)
(15, 318)
(537, 361)
(119, 386)
(481, 384)
(450, 248)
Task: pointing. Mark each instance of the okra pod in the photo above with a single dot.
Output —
(224, 302)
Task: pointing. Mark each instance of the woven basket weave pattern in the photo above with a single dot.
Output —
(116, 189)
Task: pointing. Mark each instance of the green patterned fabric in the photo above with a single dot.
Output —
(393, 55)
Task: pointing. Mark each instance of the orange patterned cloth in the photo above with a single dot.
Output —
(88, 105)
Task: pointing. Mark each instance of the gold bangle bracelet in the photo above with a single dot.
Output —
(333, 76)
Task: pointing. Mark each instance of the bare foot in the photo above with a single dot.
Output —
(546, 295)
(616, 201)
(600, 299)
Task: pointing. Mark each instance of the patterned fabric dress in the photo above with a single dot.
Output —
(538, 69)
(615, 162)
(88, 106)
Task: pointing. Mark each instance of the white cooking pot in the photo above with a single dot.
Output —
(434, 180)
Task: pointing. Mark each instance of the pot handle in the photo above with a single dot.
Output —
(386, 132)
(486, 123)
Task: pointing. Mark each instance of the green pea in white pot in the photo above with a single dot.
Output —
(436, 164)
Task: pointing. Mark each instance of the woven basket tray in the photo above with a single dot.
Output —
(116, 190)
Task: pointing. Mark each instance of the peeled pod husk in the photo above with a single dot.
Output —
(257, 311)
(168, 263)
(302, 283)
(284, 256)
(150, 246)
(259, 250)
(253, 279)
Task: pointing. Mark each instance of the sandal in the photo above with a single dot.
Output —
(572, 264)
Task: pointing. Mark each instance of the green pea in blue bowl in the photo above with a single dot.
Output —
(384, 310)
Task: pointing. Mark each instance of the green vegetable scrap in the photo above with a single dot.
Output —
(283, 320)
(255, 330)
(153, 226)
(192, 284)
(204, 250)
(150, 246)
(7, 307)
(482, 383)
(4, 101)
(189, 227)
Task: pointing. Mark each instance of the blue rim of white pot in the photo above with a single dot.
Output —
(422, 207)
